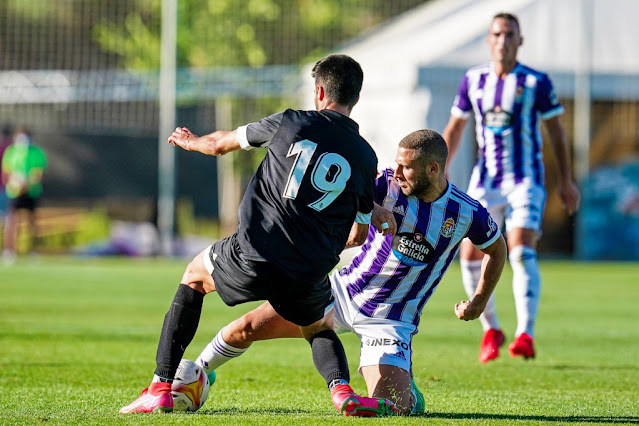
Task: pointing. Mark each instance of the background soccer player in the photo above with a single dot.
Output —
(294, 220)
(509, 101)
(23, 165)
(381, 294)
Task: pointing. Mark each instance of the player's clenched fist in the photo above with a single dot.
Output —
(465, 310)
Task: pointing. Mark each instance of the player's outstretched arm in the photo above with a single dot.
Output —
(216, 143)
(491, 268)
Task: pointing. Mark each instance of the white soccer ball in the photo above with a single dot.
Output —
(190, 386)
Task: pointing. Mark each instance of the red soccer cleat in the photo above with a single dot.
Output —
(489, 346)
(522, 346)
(154, 399)
(350, 404)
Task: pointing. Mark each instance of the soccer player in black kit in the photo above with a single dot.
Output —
(311, 196)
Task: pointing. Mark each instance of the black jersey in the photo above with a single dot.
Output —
(316, 179)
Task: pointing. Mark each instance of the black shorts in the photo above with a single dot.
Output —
(24, 202)
(239, 280)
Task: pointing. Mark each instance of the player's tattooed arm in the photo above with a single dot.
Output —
(216, 143)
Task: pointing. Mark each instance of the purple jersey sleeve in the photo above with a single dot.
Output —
(546, 101)
(381, 185)
(483, 231)
(462, 105)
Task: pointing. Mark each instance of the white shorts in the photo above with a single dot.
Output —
(383, 341)
(521, 206)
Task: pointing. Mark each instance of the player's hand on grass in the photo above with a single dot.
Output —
(466, 310)
(383, 220)
(183, 138)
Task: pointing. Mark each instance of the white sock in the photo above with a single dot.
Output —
(217, 353)
(526, 287)
(471, 272)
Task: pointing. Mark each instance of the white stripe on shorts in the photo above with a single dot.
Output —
(206, 257)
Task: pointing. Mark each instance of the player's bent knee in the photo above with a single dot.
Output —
(197, 277)
(326, 323)
(522, 253)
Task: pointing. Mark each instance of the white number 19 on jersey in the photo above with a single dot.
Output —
(303, 150)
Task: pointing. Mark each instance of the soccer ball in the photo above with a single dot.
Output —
(190, 386)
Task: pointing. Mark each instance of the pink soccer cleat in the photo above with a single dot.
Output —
(522, 346)
(154, 399)
(350, 404)
(489, 346)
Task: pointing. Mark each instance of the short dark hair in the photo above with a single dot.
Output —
(509, 17)
(341, 77)
(429, 143)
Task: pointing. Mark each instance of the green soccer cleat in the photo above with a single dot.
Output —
(212, 376)
(420, 403)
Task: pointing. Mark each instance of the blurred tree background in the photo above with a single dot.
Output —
(244, 32)
(86, 34)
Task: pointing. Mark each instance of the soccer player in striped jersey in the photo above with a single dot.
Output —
(509, 101)
(419, 222)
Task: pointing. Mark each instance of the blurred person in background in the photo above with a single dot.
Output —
(509, 101)
(5, 141)
(23, 164)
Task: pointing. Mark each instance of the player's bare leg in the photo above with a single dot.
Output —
(10, 235)
(393, 383)
(262, 323)
(33, 231)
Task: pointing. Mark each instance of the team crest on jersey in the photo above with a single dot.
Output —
(448, 227)
(498, 121)
(519, 92)
(412, 248)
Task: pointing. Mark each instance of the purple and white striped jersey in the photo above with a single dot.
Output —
(508, 113)
(393, 277)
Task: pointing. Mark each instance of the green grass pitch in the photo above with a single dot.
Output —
(78, 340)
